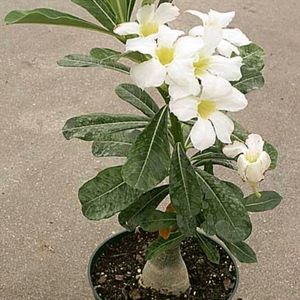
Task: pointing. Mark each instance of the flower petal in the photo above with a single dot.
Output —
(265, 160)
(223, 19)
(145, 45)
(236, 37)
(145, 14)
(227, 68)
(254, 172)
(226, 49)
(127, 28)
(178, 90)
(148, 74)
(168, 36)
(223, 126)
(202, 134)
(184, 109)
(197, 31)
(204, 17)
(188, 46)
(255, 143)
(234, 149)
(165, 13)
(242, 164)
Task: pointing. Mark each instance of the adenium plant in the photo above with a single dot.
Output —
(172, 150)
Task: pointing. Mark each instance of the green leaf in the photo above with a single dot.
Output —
(235, 189)
(253, 63)
(209, 248)
(203, 158)
(80, 60)
(242, 252)
(163, 1)
(106, 194)
(185, 192)
(267, 201)
(105, 54)
(149, 157)
(157, 219)
(93, 126)
(116, 144)
(49, 16)
(132, 216)
(224, 208)
(160, 245)
(101, 10)
(241, 134)
(147, 2)
(130, 7)
(138, 98)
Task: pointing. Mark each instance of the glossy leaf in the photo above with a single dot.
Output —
(131, 217)
(50, 16)
(81, 60)
(105, 54)
(93, 126)
(201, 159)
(267, 201)
(101, 10)
(241, 134)
(242, 252)
(138, 98)
(253, 63)
(106, 194)
(185, 192)
(149, 157)
(209, 248)
(224, 208)
(160, 245)
(157, 219)
(116, 144)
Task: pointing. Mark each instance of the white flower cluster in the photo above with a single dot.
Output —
(197, 68)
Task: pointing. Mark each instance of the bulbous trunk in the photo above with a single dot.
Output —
(166, 273)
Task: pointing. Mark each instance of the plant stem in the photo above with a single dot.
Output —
(176, 128)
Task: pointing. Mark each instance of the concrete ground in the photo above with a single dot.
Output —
(45, 241)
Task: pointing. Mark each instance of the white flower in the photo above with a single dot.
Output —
(164, 57)
(149, 20)
(227, 40)
(205, 63)
(253, 161)
(217, 95)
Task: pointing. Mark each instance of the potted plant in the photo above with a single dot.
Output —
(166, 193)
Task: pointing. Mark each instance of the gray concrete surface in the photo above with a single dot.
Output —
(45, 241)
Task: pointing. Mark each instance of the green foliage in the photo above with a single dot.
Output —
(149, 157)
(160, 245)
(105, 54)
(253, 64)
(116, 144)
(93, 126)
(267, 201)
(186, 194)
(209, 249)
(50, 16)
(241, 134)
(157, 219)
(223, 211)
(147, 2)
(134, 214)
(106, 194)
(138, 98)
(80, 60)
(242, 252)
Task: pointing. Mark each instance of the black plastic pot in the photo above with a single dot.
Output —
(114, 239)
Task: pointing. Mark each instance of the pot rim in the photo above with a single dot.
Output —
(124, 232)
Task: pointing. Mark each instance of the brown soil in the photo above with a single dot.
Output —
(117, 271)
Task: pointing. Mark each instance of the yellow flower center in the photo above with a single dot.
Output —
(205, 108)
(201, 65)
(165, 55)
(252, 156)
(149, 28)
